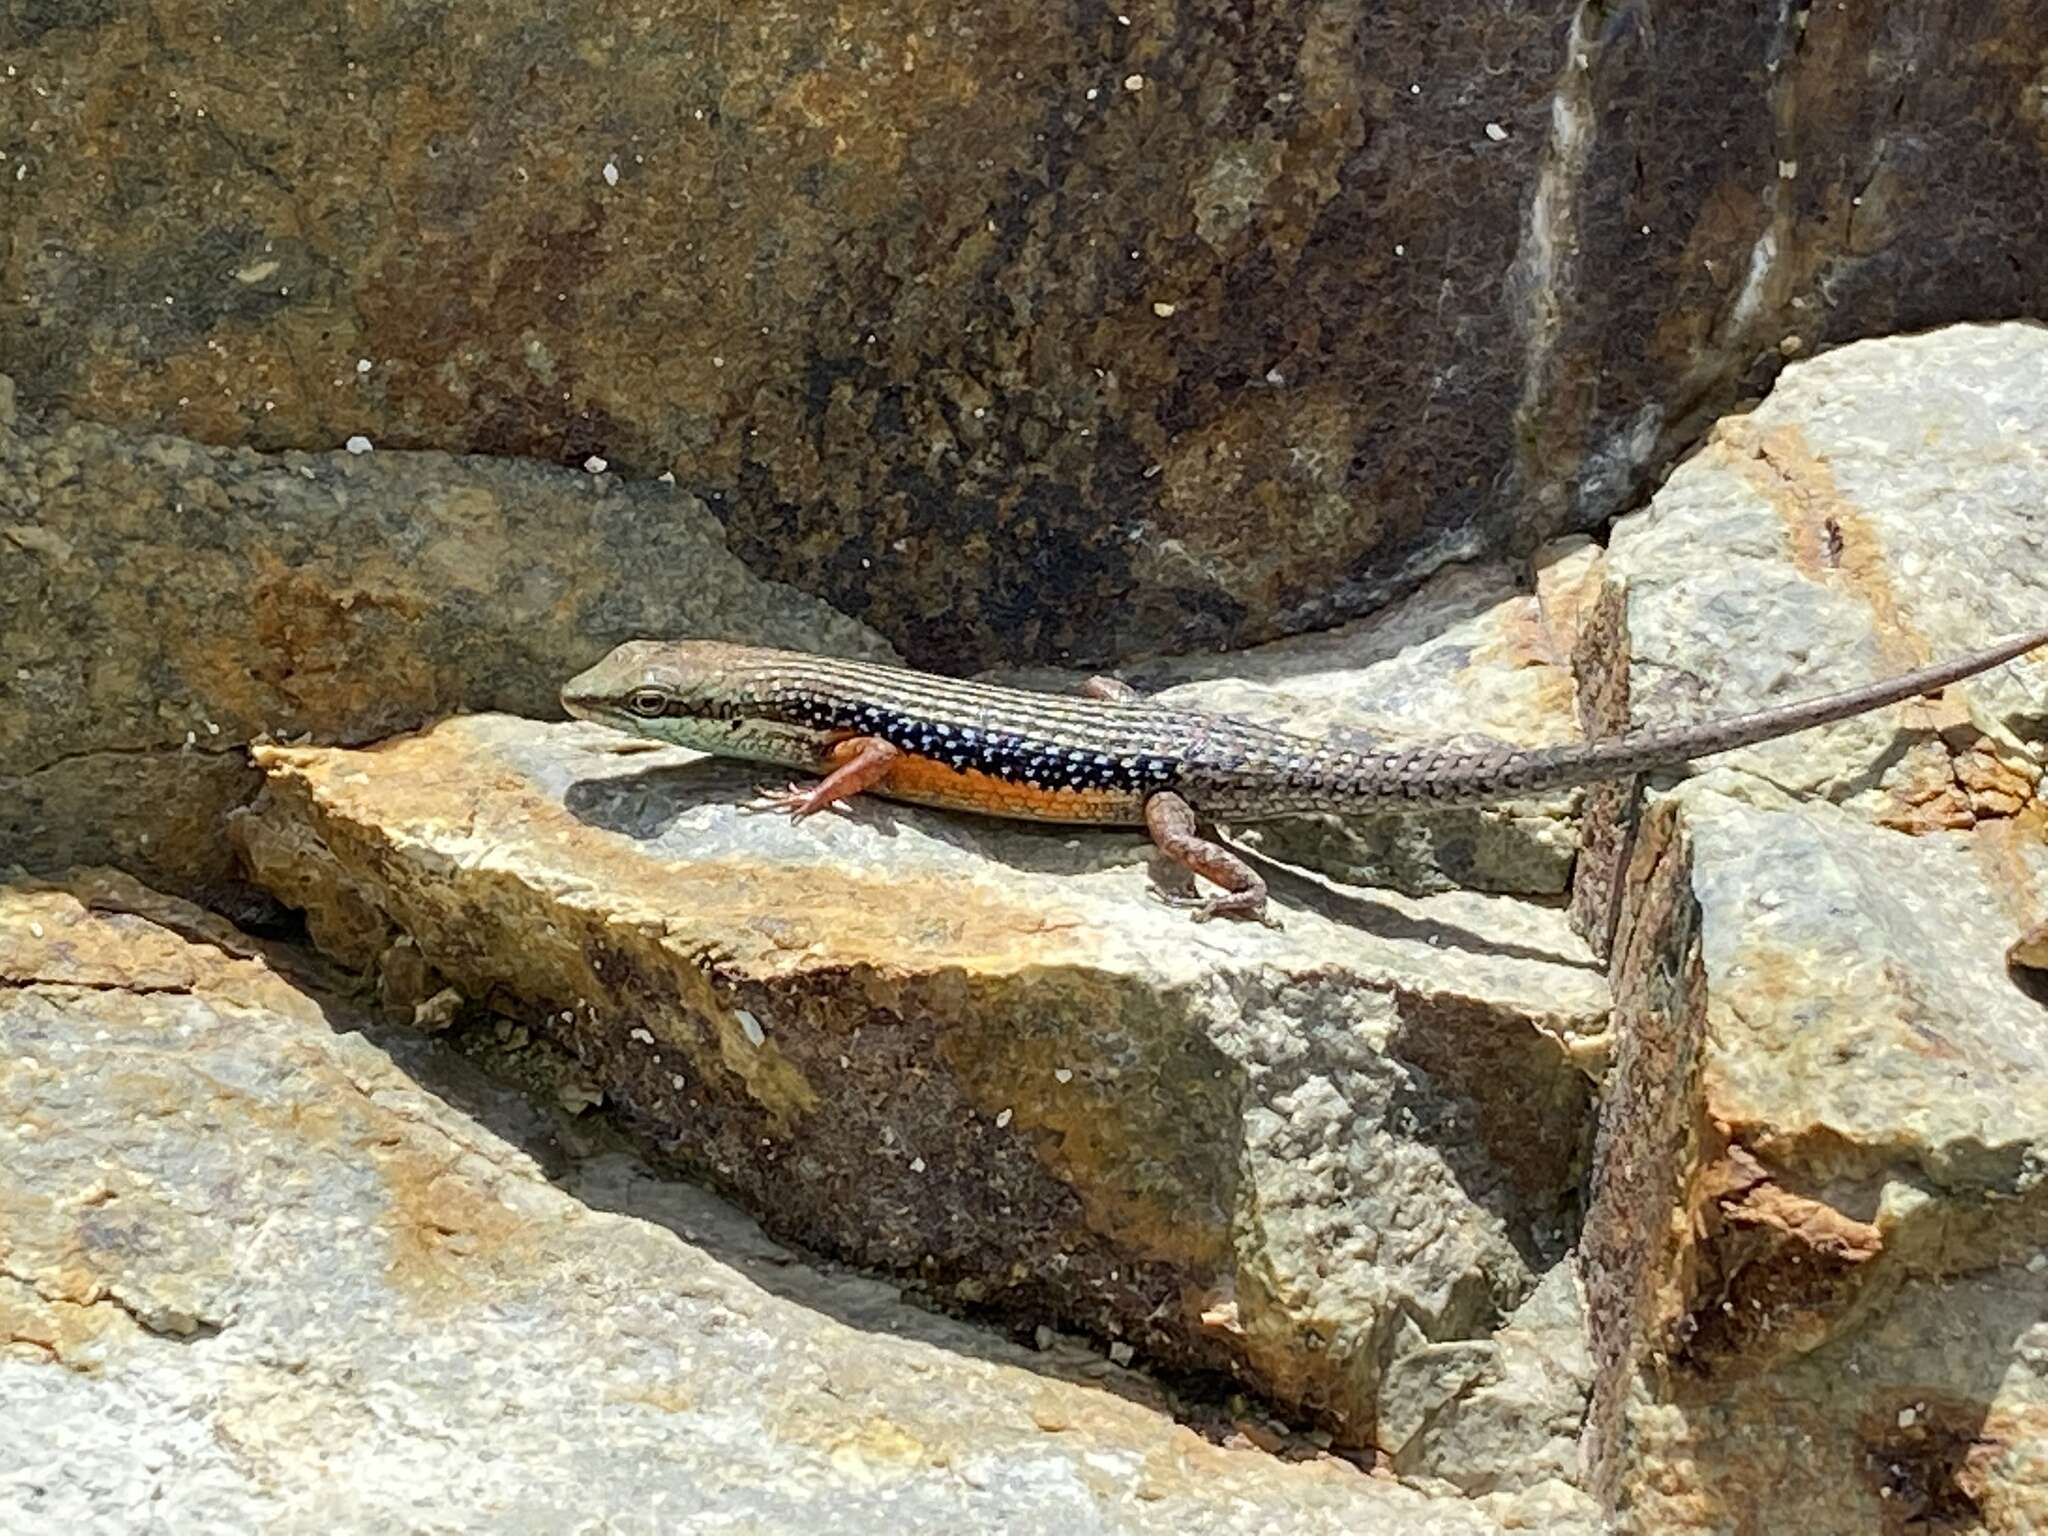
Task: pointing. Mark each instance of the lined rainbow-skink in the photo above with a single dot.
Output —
(1107, 757)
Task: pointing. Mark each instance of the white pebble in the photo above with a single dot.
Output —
(1003, 1119)
(1495, 132)
(596, 465)
(917, 1165)
(1121, 1352)
(611, 174)
(358, 444)
(1134, 82)
(750, 1027)
(1062, 1075)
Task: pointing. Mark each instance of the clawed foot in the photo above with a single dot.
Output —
(1247, 904)
(796, 801)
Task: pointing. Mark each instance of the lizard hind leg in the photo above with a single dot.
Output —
(1176, 832)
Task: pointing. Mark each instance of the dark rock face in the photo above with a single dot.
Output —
(1020, 335)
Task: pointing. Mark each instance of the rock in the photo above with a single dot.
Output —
(259, 1271)
(980, 1057)
(162, 604)
(1021, 335)
(1814, 1255)
(2030, 950)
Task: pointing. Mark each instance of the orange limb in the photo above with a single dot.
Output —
(861, 763)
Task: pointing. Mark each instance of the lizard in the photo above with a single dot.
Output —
(1108, 757)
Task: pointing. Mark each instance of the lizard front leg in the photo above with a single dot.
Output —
(861, 762)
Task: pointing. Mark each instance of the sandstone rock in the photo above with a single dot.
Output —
(162, 604)
(1019, 334)
(259, 1273)
(1815, 1254)
(981, 1057)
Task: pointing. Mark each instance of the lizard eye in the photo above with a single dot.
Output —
(646, 702)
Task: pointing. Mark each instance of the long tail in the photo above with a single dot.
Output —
(1454, 777)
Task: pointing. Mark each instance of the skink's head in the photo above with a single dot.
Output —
(703, 694)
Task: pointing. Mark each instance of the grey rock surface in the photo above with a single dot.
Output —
(258, 1272)
(1819, 1220)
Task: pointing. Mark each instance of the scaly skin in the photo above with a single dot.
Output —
(1109, 758)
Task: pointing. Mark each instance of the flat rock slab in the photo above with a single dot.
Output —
(987, 1059)
(1817, 1258)
(255, 1276)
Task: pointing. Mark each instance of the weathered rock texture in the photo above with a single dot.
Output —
(255, 1275)
(1817, 1260)
(1014, 331)
(1333, 1160)
(162, 604)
